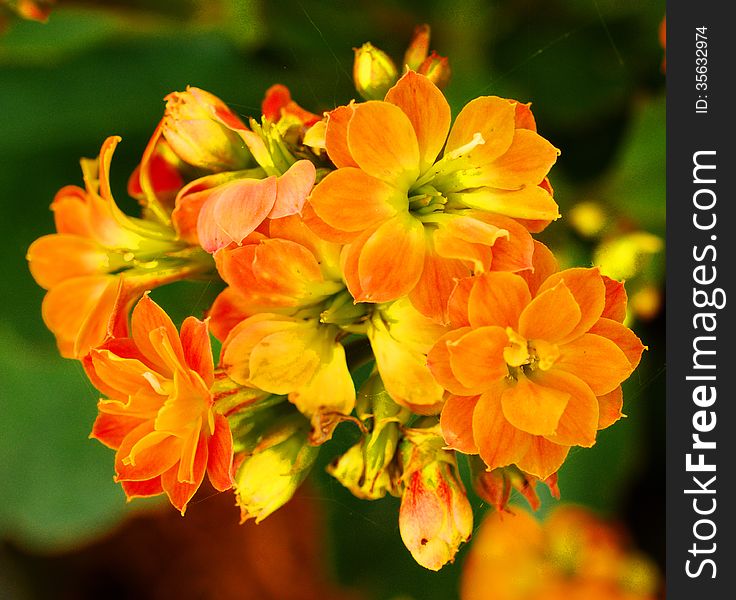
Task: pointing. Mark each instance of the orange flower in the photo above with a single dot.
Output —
(572, 555)
(100, 259)
(534, 369)
(159, 412)
(445, 218)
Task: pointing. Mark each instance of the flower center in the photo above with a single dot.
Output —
(524, 356)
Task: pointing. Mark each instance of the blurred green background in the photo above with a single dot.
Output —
(593, 70)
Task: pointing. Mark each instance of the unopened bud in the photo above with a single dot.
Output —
(418, 48)
(374, 73)
(437, 69)
(435, 516)
(198, 127)
(274, 461)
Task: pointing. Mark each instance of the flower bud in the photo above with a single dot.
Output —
(369, 469)
(373, 72)
(199, 127)
(495, 486)
(437, 69)
(275, 460)
(435, 516)
(418, 48)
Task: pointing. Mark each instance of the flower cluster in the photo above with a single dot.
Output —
(379, 271)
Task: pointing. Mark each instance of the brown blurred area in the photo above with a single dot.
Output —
(157, 554)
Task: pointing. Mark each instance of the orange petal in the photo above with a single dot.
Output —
(533, 408)
(58, 257)
(148, 317)
(336, 136)
(124, 377)
(544, 264)
(432, 292)
(226, 312)
(72, 213)
(326, 232)
(234, 210)
(523, 116)
(350, 200)
(456, 422)
(154, 456)
(623, 337)
(67, 305)
(497, 298)
(537, 321)
(220, 455)
(610, 406)
(526, 162)
(579, 422)
(529, 202)
(493, 118)
(499, 442)
(428, 112)
(112, 429)
(142, 489)
(587, 286)
(543, 458)
(383, 143)
(382, 276)
(438, 361)
(195, 341)
(616, 300)
(513, 253)
(596, 360)
(457, 305)
(180, 493)
(468, 239)
(477, 359)
(292, 189)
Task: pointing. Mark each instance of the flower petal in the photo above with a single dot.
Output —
(543, 458)
(432, 292)
(551, 316)
(234, 210)
(609, 408)
(142, 489)
(147, 318)
(477, 358)
(526, 162)
(493, 118)
(533, 408)
(497, 298)
(220, 455)
(292, 189)
(112, 429)
(180, 493)
(456, 422)
(596, 360)
(457, 305)
(528, 202)
(623, 337)
(382, 276)
(428, 111)
(499, 442)
(153, 452)
(55, 258)
(351, 200)
(228, 309)
(544, 264)
(578, 424)
(438, 361)
(589, 291)
(382, 142)
(195, 341)
(616, 300)
(336, 136)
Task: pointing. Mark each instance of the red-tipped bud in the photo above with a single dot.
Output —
(437, 69)
(418, 48)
